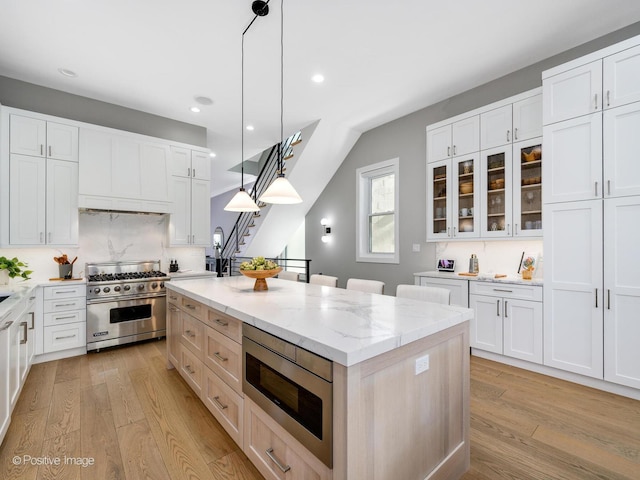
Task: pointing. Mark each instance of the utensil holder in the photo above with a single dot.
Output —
(65, 270)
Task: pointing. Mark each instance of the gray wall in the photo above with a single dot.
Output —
(405, 138)
(27, 96)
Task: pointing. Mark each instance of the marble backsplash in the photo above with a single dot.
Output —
(112, 237)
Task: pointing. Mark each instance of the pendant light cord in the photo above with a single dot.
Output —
(242, 112)
(281, 173)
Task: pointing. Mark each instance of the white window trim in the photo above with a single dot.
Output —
(363, 174)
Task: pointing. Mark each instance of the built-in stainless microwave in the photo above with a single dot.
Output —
(294, 386)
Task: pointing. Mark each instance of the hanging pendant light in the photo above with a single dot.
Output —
(281, 191)
(242, 201)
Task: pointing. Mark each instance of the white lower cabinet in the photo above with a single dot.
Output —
(5, 398)
(275, 453)
(459, 288)
(64, 317)
(508, 319)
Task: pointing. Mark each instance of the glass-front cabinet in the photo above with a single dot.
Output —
(527, 190)
(496, 192)
(453, 202)
(438, 204)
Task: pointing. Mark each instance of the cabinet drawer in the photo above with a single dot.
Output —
(63, 337)
(225, 324)
(174, 298)
(507, 290)
(70, 291)
(224, 357)
(193, 308)
(224, 403)
(60, 318)
(191, 369)
(192, 335)
(262, 434)
(65, 304)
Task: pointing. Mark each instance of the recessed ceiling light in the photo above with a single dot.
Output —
(318, 78)
(195, 109)
(203, 100)
(212, 154)
(67, 73)
(250, 128)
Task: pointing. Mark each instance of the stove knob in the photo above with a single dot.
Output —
(127, 288)
(154, 285)
(116, 288)
(141, 286)
(161, 284)
(106, 289)
(96, 290)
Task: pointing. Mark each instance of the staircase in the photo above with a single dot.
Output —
(248, 222)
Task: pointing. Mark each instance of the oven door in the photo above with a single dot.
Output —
(116, 322)
(297, 399)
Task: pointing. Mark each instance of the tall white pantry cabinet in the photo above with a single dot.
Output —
(592, 215)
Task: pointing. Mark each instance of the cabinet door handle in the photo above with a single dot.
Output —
(221, 323)
(508, 132)
(448, 151)
(596, 298)
(194, 173)
(454, 149)
(608, 299)
(508, 229)
(454, 231)
(497, 308)
(595, 103)
(506, 309)
(220, 405)
(41, 237)
(448, 231)
(49, 150)
(49, 235)
(596, 189)
(33, 320)
(515, 133)
(608, 99)
(515, 229)
(24, 330)
(283, 469)
(41, 149)
(608, 187)
(189, 172)
(219, 357)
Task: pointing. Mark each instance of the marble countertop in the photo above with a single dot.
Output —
(482, 277)
(345, 326)
(182, 274)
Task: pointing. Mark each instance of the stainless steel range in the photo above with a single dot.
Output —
(126, 302)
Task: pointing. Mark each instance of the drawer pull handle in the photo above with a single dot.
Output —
(221, 323)
(64, 305)
(174, 309)
(192, 307)
(65, 291)
(188, 369)
(66, 336)
(190, 333)
(502, 290)
(172, 297)
(64, 318)
(6, 326)
(220, 405)
(283, 469)
(220, 357)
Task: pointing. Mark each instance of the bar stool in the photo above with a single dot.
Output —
(427, 294)
(367, 286)
(327, 280)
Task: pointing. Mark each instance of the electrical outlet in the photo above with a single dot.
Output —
(422, 364)
(416, 247)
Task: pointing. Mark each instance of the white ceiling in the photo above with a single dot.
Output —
(381, 59)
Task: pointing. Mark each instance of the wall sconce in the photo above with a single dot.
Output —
(326, 230)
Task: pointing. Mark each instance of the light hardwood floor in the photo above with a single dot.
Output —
(136, 419)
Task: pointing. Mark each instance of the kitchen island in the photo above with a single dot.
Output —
(400, 374)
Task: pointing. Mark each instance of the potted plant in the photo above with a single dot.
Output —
(11, 268)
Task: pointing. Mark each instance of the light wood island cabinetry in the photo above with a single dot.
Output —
(400, 407)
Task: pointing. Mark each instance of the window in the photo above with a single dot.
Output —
(377, 212)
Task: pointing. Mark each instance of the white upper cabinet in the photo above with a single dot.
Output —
(573, 149)
(62, 202)
(458, 138)
(190, 163)
(621, 78)
(200, 165)
(36, 137)
(527, 118)
(495, 127)
(621, 137)
(496, 190)
(573, 93)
